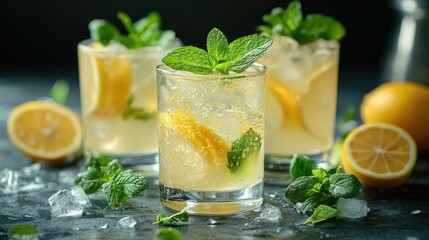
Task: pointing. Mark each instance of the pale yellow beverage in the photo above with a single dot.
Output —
(118, 98)
(301, 99)
(211, 149)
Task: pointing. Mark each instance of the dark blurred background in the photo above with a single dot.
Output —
(43, 35)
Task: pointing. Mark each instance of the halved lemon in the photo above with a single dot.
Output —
(45, 131)
(111, 84)
(380, 155)
(213, 147)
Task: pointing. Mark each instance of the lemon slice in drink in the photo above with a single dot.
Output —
(290, 104)
(319, 103)
(112, 83)
(200, 137)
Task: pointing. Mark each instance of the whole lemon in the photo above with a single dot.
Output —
(404, 104)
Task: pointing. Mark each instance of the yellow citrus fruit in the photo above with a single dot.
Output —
(112, 84)
(379, 155)
(45, 131)
(202, 138)
(404, 104)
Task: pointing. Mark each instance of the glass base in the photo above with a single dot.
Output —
(212, 203)
(277, 167)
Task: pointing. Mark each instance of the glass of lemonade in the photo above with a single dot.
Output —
(211, 131)
(118, 100)
(300, 100)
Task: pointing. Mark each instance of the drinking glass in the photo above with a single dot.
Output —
(118, 100)
(301, 102)
(211, 148)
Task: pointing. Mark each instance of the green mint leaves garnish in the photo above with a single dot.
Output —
(107, 173)
(144, 32)
(136, 113)
(60, 91)
(220, 56)
(23, 231)
(318, 190)
(181, 216)
(290, 22)
(168, 233)
(247, 145)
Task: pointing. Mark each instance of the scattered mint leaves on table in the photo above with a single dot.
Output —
(319, 191)
(60, 91)
(220, 57)
(144, 32)
(168, 233)
(247, 145)
(290, 22)
(163, 219)
(23, 232)
(107, 173)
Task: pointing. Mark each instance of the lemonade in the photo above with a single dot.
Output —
(200, 116)
(301, 96)
(118, 87)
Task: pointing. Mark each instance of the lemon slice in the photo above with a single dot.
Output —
(45, 131)
(203, 139)
(289, 103)
(380, 155)
(111, 85)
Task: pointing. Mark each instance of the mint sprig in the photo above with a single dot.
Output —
(319, 191)
(132, 112)
(220, 57)
(163, 219)
(107, 173)
(247, 145)
(144, 32)
(290, 22)
(23, 231)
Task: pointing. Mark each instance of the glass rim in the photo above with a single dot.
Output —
(184, 75)
(333, 44)
(85, 45)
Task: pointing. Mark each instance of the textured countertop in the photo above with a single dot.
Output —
(401, 213)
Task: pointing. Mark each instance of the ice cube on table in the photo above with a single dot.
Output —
(127, 222)
(65, 204)
(352, 208)
(80, 196)
(270, 212)
(9, 180)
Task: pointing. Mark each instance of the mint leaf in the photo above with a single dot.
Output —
(128, 24)
(302, 188)
(167, 234)
(191, 59)
(300, 166)
(135, 113)
(124, 185)
(60, 91)
(320, 173)
(107, 173)
(317, 26)
(182, 216)
(246, 50)
(322, 213)
(102, 31)
(23, 232)
(248, 144)
(344, 185)
(217, 45)
(219, 57)
(290, 22)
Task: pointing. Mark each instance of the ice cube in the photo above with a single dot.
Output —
(127, 222)
(66, 177)
(32, 170)
(80, 196)
(9, 181)
(352, 208)
(270, 213)
(64, 204)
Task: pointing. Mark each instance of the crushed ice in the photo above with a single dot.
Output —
(270, 212)
(352, 208)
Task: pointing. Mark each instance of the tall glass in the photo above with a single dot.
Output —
(118, 99)
(211, 149)
(301, 101)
